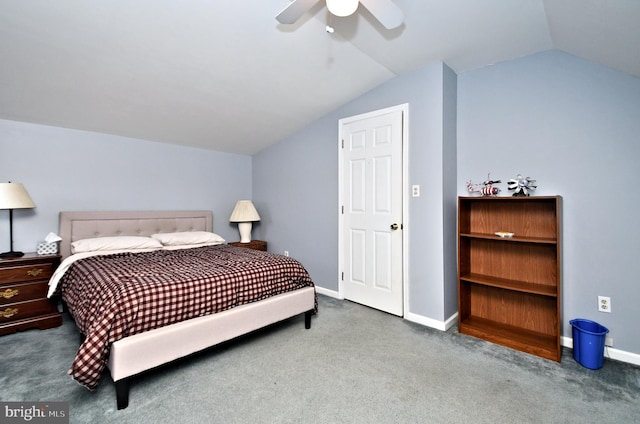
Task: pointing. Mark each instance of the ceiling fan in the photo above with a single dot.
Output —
(389, 15)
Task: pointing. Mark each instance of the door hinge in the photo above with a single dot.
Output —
(343, 143)
(342, 209)
(343, 276)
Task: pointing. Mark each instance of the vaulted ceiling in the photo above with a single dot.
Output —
(225, 75)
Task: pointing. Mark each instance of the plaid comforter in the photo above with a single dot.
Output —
(115, 296)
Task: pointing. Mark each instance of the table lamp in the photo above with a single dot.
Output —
(244, 214)
(13, 196)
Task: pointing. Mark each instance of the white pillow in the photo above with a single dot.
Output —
(189, 246)
(114, 243)
(188, 238)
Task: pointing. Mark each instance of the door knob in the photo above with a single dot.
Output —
(393, 227)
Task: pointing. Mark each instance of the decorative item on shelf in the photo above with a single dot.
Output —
(49, 246)
(244, 214)
(13, 196)
(486, 188)
(504, 234)
(521, 185)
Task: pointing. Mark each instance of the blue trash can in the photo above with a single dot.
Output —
(588, 342)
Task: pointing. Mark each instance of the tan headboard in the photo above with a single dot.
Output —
(80, 225)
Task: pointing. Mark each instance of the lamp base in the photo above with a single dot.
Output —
(245, 231)
(11, 254)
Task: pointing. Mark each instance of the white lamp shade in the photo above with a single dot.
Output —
(342, 7)
(244, 212)
(15, 196)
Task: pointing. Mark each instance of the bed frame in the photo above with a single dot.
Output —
(135, 354)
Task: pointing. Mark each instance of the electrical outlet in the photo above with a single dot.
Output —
(604, 304)
(415, 190)
(286, 253)
(608, 341)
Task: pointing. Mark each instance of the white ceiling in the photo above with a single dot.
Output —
(224, 75)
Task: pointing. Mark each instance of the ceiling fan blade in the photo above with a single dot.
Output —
(385, 11)
(294, 11)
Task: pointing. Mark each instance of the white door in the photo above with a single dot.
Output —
(371, 211)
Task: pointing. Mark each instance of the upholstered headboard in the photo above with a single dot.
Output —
(81, 225)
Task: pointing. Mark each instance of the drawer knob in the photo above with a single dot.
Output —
(9, 293)
(35, 272)
(9, 312)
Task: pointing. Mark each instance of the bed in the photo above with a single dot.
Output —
(133, 349)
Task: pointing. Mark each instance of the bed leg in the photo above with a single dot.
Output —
(122, 393)
(307, 319)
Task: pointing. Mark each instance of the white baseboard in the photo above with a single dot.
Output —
(327, 292)
(430, 322)
(609, 352)
(419, 319)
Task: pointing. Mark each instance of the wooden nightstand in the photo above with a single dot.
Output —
(23, 293)
(253, 244)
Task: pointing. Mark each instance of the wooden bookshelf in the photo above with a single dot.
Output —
(509, 287)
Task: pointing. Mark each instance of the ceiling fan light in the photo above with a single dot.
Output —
(342, 7)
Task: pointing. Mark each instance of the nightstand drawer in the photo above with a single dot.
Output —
(21, 310)
(20, 292)
(31, 272)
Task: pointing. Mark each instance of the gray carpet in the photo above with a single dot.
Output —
(355, 365)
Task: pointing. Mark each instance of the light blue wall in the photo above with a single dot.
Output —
(569, 123)
(295, 185)
(575, 127)
(66, 169)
